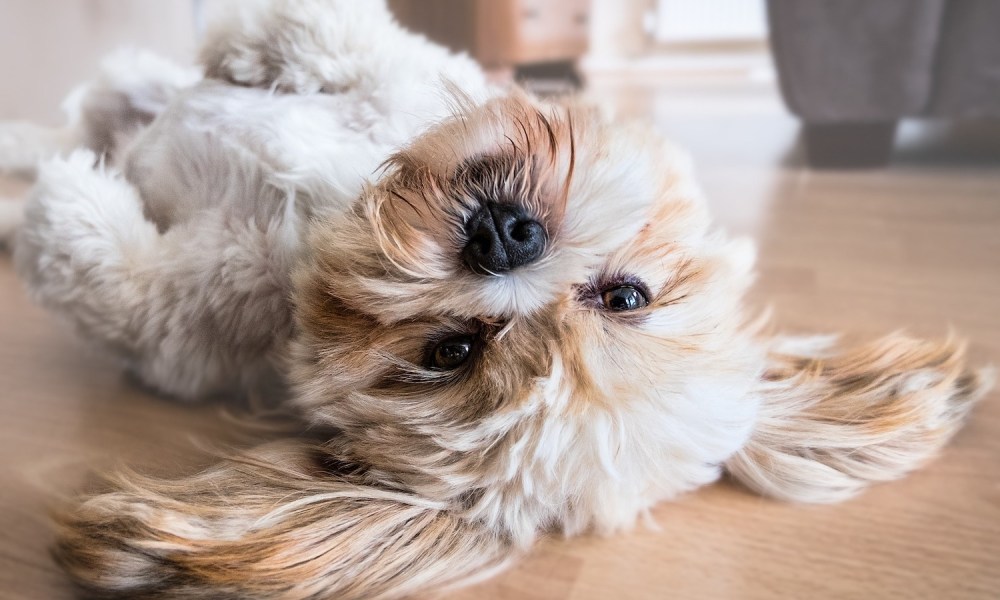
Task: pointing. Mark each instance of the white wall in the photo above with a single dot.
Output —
(679, 21)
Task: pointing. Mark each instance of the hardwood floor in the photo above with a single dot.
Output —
(916, 246)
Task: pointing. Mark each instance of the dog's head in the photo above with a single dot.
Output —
(527, 278)
(529, 311)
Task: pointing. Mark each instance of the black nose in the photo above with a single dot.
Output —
(502, 237)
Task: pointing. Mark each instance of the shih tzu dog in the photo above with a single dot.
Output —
(514, 315)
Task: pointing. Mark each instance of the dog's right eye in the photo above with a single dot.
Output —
(451, 353)
(624, 297)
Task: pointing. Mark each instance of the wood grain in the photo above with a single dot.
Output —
(915, 246)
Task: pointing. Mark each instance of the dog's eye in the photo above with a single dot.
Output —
(451, 353)
(623, 297)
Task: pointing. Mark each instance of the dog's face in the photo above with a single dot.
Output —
(525, 285)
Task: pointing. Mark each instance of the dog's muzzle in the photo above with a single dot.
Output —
(502, 237)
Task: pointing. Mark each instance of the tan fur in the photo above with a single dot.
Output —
(435, 477)
(271, 523)
(833, 421)
(568, 417)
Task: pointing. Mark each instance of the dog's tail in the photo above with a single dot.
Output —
(286, 520)
(833, 421)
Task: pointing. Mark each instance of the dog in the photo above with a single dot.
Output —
(514, 314)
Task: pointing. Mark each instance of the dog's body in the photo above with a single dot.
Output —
(217, 185)
(524, 325)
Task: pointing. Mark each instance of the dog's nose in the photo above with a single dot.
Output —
(502, 237)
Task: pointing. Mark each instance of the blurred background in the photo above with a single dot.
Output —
(754, 88)
(856, 140)
(858, 75)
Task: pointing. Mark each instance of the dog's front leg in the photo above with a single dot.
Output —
(199, 309)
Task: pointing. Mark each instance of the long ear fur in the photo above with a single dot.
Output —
(274, 523)
(832, 422)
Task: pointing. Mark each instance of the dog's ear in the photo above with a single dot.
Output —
(832, 422)
(276, 522)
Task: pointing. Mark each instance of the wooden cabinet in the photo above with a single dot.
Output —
(502, 33)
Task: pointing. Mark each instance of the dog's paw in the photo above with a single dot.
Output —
(296, 46)
(82, 233)
(84, 209)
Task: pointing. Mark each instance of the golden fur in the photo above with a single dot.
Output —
(835, 421)
(434, 478)
(232, 244)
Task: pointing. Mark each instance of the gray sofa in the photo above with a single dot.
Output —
(850, 69)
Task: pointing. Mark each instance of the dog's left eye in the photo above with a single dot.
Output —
(623, 297)
(451, 353)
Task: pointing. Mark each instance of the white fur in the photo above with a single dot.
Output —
(172, 238)
(229, 177)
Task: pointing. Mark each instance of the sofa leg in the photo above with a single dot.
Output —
(864, 145)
